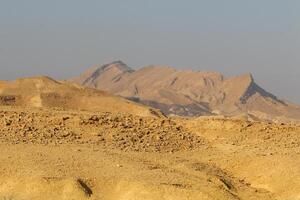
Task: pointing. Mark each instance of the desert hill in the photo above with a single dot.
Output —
(46, 92)
(189, 93)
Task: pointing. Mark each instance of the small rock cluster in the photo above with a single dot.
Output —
(142, 134)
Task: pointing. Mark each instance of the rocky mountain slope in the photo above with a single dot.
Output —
(46, 92)
(189, 93)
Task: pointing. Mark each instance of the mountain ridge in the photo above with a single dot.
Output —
(188, 92)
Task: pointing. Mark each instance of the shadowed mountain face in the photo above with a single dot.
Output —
(188, 93)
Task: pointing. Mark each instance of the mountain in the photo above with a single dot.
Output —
(187, 92)
(46, 92)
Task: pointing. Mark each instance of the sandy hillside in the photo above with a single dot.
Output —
(187, 92)
(46, 92)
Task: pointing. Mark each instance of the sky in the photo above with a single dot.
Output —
(62, 38)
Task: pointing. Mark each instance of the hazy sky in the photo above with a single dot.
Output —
(61, 38)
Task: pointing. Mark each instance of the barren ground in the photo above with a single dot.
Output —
(59, 154)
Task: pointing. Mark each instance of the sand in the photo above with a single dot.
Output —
(49, 153)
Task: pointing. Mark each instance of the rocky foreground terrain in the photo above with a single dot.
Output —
(112, 131)
(54, 153)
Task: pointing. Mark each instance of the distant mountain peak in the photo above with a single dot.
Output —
(188, 92)
(249, 77)
(90, 76)
(117, 65)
